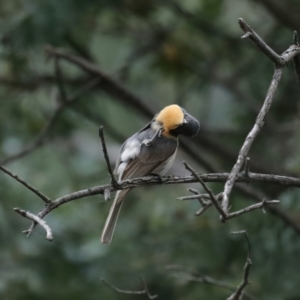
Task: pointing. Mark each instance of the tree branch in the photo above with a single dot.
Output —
(36, 219)
(279, 61)
(112, 177)
(26, 184)
(153, 180)
(296, 59)
(260, 205)
(237, 295)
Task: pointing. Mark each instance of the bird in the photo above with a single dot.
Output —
(150, 151)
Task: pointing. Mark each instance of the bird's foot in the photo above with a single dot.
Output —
(159, 177)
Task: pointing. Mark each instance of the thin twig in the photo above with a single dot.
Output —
(128, 292)
(251, 207)
(253, 36)
(111, 174)
(296, 59)
(209, 191)
(36, 219)
(26, 184)
(237, 295)
(192, 276)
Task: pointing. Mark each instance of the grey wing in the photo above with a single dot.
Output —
(151, 157)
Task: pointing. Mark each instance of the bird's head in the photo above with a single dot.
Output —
(175, 120)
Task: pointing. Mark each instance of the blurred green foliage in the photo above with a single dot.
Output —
(185, 52)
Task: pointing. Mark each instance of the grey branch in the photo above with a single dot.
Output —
(141, 292)
(279, 61)
(26, 184)
(250, 137)
(153, 180)
(36, 219)
(260, 205)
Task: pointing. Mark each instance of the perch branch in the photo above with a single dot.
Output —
(153, 180)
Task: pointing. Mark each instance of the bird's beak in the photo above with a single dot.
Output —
(190, 126)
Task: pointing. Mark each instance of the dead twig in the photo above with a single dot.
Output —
(260, 205)
(104, 149)
(145, 291)
(209, 191)
(36, 219)
(237, 295)
(296, 59)
(26, 184)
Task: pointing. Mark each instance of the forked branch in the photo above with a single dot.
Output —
(279, 61)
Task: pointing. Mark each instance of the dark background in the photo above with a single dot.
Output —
(184, 52)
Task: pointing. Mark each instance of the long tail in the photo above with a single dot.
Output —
(112, 218)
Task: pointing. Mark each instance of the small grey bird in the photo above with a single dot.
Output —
(151, 150)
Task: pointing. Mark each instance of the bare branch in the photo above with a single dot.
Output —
(296, 59)
(251, 207)
(36, 219)
(26, 184)
(141, 292)
(279, 61)
(111, 174)
(249, 32)
(153, 180)
(251, 136)
(209, 191)
(237, 295)
(200, 197)
(192, 276)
